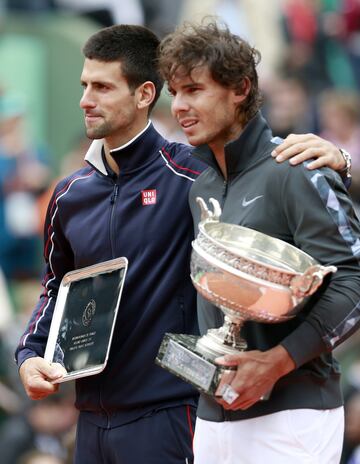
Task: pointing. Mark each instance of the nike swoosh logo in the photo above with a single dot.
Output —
(246, 202)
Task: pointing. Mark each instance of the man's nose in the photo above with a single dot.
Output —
(86, 100)
(178, 104)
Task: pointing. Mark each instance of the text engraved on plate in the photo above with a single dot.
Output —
(190, 365)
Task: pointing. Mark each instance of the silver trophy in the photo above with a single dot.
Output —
(249, 276)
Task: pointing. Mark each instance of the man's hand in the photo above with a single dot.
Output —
(300, 147)
(38, 377)
(255, 376)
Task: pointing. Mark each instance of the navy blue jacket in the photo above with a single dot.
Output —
(142, 214)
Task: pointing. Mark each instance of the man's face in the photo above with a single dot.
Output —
(205, 109)
(109, 105)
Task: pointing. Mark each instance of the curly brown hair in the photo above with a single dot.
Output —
(229, 58)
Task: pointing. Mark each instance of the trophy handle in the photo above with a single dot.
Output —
(206, 214)
(307, 283)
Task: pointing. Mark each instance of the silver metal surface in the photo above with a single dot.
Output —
(248, 275)
(84, 318)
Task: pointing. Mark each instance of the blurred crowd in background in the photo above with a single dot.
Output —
(310, 78)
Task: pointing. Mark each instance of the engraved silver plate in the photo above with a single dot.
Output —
(188, 365)
(84, 318)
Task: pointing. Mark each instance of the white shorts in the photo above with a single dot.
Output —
(299, 436)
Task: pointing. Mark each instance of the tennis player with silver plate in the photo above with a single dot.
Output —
(249, 276)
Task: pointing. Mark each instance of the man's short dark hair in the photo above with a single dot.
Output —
(136, 47)
(228, 57)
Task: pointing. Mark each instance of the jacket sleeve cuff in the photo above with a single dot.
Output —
(23, 355)
(304, 344)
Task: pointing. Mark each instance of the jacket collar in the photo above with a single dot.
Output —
(135, 153)
(243, 151)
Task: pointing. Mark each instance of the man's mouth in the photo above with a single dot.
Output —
(187, 123)
(91, 117)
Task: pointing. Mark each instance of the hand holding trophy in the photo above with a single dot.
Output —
(249, 276)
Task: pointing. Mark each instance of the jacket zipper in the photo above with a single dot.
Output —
(224, 193)
(115, 194)
(113, 199)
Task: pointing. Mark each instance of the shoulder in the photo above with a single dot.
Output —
(179, 157)
(300, 174)
(318, 189)
(65, 183)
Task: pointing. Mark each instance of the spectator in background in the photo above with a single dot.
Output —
(352, 427)
(9, 401)
(71, 162)
(30, 6)
(38, 457)
(105, 12)
(161, 16)
(351, 449)
(45, 426)
(339, 122)
(288, 107)
(340, 23)
(6, 313)
(23, 176)
(350, 17)
(304, 55)
(315, 52)
(257, 21)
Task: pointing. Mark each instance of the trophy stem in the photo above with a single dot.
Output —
(225, 340)
(232, 335)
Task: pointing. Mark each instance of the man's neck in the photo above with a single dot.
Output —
(221, 161)
(110, 145)
(218, 148)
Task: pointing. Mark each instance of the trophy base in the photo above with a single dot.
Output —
(180, 355)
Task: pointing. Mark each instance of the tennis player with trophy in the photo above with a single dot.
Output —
(275, 262)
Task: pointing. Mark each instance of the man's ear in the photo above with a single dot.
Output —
(241, 94)
(145, 94)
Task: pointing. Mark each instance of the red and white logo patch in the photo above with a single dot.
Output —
(148, 197)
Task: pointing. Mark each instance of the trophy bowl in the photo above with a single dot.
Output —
(248, 275)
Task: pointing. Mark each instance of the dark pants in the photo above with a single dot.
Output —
(163, 437)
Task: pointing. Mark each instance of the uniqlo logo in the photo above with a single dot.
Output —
(148, 197)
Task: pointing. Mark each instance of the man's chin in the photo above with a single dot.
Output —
(195, 141)
(93, 135)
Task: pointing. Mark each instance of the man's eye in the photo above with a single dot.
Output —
(101, 87)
